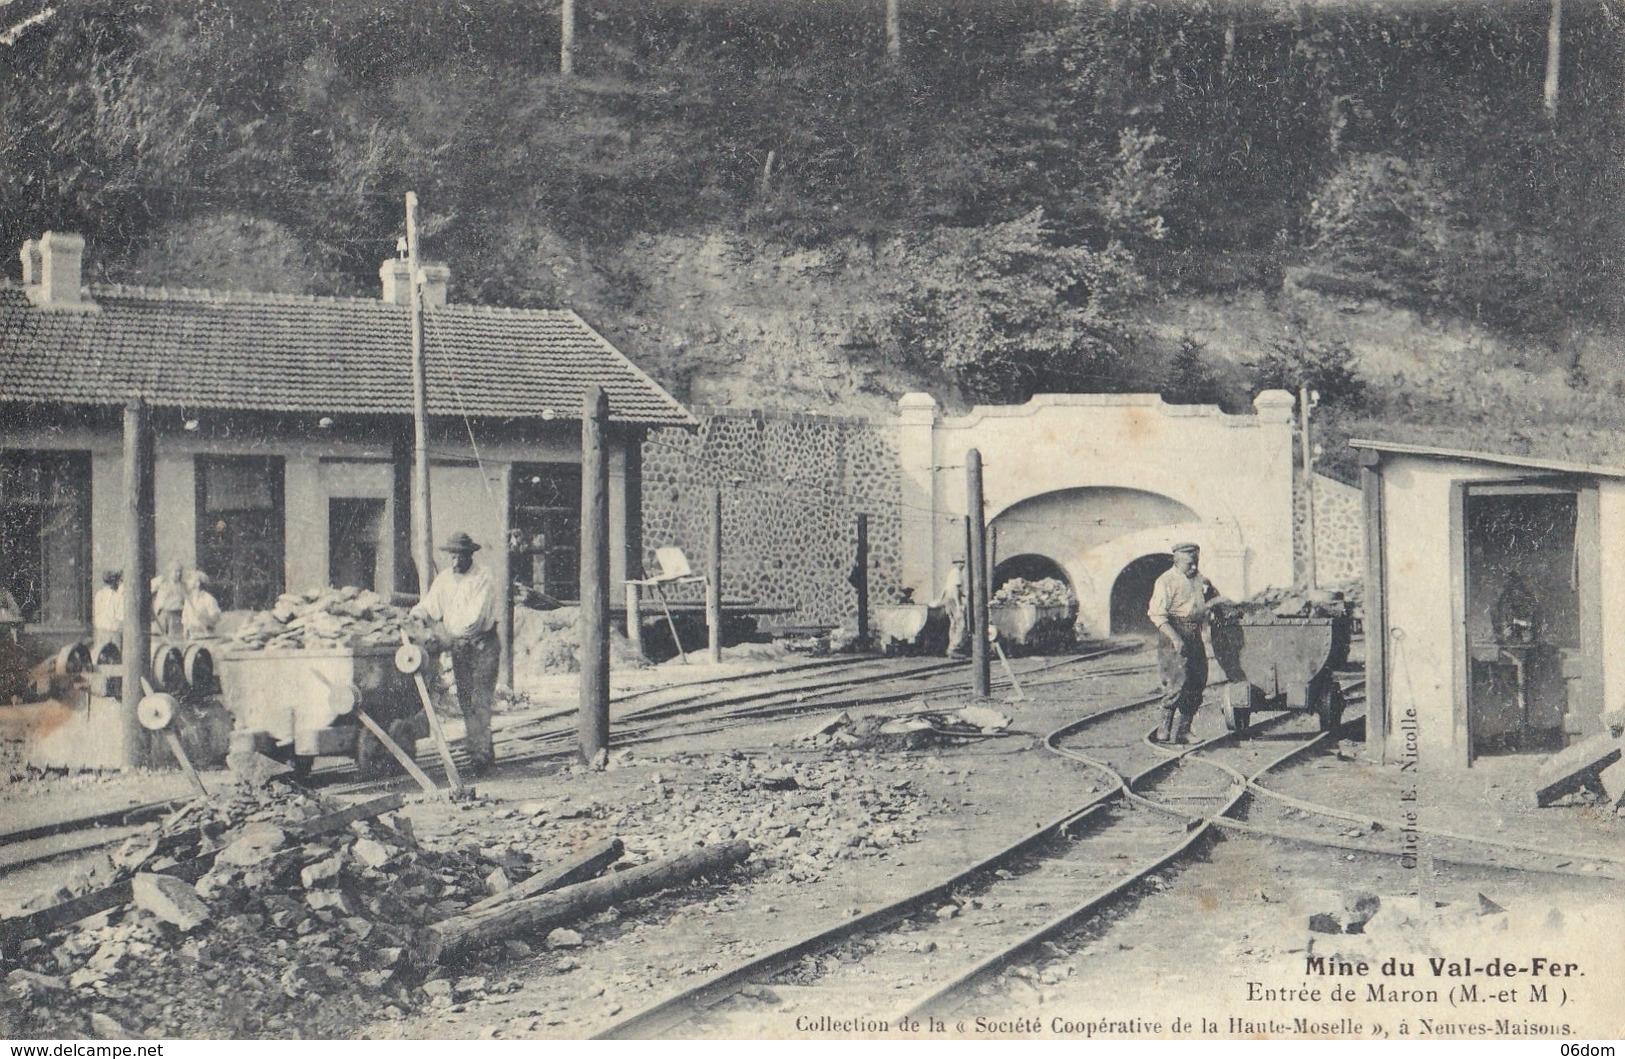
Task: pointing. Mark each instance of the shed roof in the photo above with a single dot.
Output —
(1532, 463)
(288, 353)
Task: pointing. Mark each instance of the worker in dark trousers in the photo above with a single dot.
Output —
(1180, 602)
(466, 600)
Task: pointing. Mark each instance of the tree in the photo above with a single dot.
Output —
(1007, 312)
(1189, 378)
(1300, 358)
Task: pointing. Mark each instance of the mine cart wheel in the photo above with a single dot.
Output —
(1329, 707)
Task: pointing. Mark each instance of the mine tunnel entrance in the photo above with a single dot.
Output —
(1131, 594)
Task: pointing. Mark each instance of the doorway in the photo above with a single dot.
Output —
(1524, 588)
(355, 536)
(240, 529)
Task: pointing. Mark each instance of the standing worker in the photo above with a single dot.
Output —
(466, 601)
(107, 619)
(168, 600)
(1180, 601)
(952, 599)
(202, 611)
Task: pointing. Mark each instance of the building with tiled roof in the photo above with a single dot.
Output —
(283, 434)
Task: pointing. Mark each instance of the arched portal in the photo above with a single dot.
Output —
(1029, 566)
(1131, 594)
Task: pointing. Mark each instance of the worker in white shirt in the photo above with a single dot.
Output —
(202, 611)
(107, 619)
(168, 600)
(1180, 603)
(466, 601)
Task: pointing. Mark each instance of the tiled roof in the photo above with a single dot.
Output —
(282, 353)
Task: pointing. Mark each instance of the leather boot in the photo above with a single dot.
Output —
(1165, 733)
(1183, 732)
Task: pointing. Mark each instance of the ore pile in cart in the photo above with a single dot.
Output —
(299, 677)
(1284, 657)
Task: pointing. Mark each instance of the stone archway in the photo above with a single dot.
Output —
(1131, 594)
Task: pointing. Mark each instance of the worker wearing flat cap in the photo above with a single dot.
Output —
(465, 599)
(1180, 602)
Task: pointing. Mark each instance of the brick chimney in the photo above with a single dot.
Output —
(52, 272)
(396, 278)
(435, 280)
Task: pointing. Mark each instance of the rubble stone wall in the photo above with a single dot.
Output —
(1339, 532)
(792, 488)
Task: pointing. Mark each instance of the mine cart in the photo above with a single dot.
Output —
(911, 629)
(301, 703)
(1028, 627)
(1282, 664)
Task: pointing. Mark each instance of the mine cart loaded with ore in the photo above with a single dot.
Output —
(1282, 654)
(304, 678)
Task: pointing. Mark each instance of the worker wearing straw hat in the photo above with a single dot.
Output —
(465, 599)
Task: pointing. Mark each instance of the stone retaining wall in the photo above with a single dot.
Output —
(792, 488)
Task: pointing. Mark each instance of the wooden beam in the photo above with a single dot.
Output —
(585, 865)
(139, 570)
(592, 721)
(976, 569)
(345, 817)
(1376, 615)
(38, 924)
(544, 912)
(713, 578)
(422, 526)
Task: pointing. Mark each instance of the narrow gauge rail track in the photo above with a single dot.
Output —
(1123, 832)
(702, 714)
(672, 712)
(1158, 806)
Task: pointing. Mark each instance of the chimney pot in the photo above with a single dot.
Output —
(61, 264)
(396, 278)
(435, 279)
(31, 262)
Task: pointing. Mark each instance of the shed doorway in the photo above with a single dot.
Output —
(1525, 580)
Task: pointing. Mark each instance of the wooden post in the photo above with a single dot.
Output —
(976, 568)
(422, 527)
(508, 555)
(593, 716)
(894, 31)
(567, 38)
(138, 573)
(860, 579)
(1376, 615)
(1304, 401)
(634, 618)
(713, 578)
(1554, 57)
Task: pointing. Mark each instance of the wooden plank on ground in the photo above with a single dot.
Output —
(345, 817)
(585, 865)
(38, 924)
(1567, 771)
(571, 904)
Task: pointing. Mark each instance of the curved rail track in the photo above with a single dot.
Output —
(1151, 807)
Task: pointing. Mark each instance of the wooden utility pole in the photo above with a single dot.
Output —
(894, 32)
(1554, 57)
(976, 568)
(593, 716)
(567, 38)
(422, 528)
(138, 572)
(713, 577)
(860, 579)
(1305, 399)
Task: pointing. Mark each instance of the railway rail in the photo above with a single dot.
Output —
(1152, 807)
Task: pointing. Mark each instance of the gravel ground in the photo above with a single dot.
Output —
(838, 830)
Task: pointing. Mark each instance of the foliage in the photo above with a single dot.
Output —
(1302, 358)
(1189, 378)
(1007, 312)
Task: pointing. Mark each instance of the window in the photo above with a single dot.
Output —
(545, 513)
(45, 534)
(240, 529)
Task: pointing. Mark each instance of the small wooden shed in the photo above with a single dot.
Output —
(1491, 604)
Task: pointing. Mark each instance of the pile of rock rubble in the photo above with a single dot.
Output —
(286, 934)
